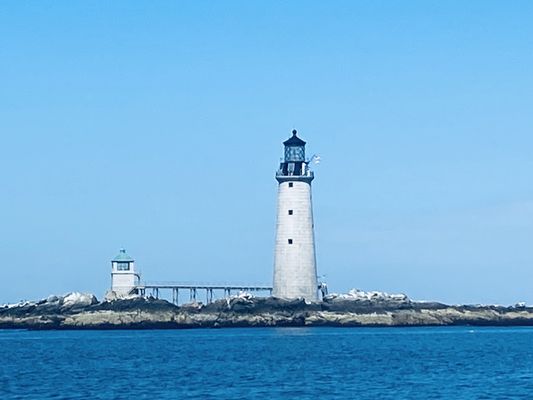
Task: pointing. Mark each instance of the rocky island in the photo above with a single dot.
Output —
(357, 308)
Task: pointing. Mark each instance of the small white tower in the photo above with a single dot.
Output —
(124, 278)
(294, 258)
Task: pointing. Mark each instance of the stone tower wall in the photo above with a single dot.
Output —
(295, 264)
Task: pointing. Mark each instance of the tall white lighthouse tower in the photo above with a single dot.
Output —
(294, 259)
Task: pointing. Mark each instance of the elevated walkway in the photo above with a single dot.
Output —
(155, 289)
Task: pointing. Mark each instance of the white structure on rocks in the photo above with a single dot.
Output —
(294, 260)
(124, 277)
(361, 295)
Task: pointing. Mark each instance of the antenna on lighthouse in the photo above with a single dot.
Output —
(315, 159)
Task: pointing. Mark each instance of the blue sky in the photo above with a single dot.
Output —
(157, 126)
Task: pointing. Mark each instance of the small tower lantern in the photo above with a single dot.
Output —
(124, 277)
(294, 163)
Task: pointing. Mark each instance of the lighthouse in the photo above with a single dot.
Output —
(124, 276)
(294, 258)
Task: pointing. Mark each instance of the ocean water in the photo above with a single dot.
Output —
(288, 363)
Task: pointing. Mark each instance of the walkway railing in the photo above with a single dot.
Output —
(193, 288)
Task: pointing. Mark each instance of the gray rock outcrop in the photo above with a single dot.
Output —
(83, 311)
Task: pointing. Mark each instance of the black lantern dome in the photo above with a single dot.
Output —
(294, 167)
(294, 148)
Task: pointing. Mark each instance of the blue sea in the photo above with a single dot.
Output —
(285, 363)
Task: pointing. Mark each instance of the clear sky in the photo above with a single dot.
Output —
(157, 126)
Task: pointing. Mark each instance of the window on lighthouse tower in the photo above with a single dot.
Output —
(294, 153)
(123, 266)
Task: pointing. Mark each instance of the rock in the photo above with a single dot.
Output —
(357, 308)
(110, 295)
(360, 295)
(76, 299)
